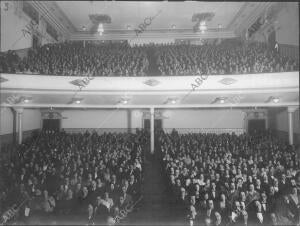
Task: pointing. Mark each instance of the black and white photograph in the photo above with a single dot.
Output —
(163, 113)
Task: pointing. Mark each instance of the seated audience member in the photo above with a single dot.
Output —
(191, 216)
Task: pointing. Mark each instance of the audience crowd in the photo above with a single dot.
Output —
(232, 180)
(119, 59)
(87, 175)
(230, 57)
(76, 59)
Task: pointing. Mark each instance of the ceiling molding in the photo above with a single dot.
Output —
(234, 19)
(161, 106)
(50, 17)
(252, 17)
(154, 92)
(64, 16)
(149, 34)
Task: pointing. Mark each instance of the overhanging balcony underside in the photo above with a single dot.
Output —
(242, 91)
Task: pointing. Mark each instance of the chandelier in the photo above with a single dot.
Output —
(202, 26)
(100, 29)
(201, 19)
(98, 20)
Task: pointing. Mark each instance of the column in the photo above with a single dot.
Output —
(129, 120)
(14, 125)
(152, 130)
(19, 112)
(291, 110)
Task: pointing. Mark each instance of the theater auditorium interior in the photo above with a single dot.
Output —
(149, 113)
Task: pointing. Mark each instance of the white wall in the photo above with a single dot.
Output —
(31, 120)
(11, 28)
(13, 20)
(204, 118)
(288, 23)
(282, 121)
(174, 118)
(6, 121)
(94, 119)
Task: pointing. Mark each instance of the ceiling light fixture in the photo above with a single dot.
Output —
(173, 26)
(124, 100)
(76, 100)
(275, 99)
(100, 29)
(83, 28)
(171, 101)
(202, 26)
(128, 27)
(220, 100)
(25, 99)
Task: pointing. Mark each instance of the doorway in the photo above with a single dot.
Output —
(157, 124)
(51, 124)
(256, 125)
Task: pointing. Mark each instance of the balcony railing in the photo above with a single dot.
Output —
(237, 131)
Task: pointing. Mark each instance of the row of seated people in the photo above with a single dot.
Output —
(76, 59)
(119, 59)
(68, 174)
(232, 180)
(226, 58)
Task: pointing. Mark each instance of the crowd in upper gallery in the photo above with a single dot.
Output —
(232, 180)
(90, 176)
(118, 59)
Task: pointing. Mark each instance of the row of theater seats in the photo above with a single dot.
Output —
(119, 59)
(84, 177)
(232, 180)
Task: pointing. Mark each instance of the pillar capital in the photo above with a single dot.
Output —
(291, 109)
(19, 110)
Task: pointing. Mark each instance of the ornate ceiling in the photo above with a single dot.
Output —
(175, 19)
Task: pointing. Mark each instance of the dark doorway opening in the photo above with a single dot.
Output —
(51, 124)
(256, 125)
(157, 124)
(272, 40)
(35, 42)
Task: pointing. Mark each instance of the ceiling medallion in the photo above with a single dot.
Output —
(228, 81)
(3, 79)
(151, 82)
